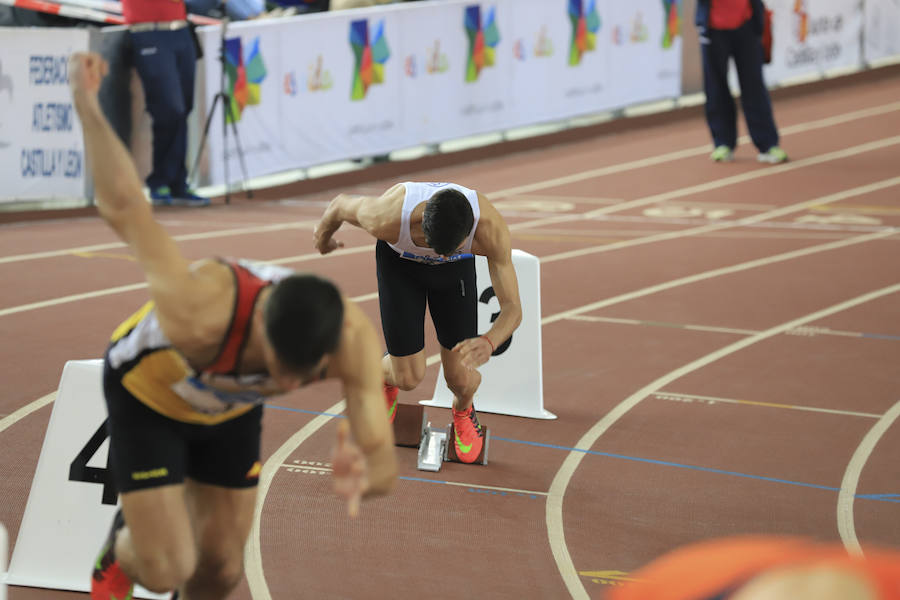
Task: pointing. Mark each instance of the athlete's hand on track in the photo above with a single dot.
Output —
(325, 244)
(86, 71)
(474, 352)
(351, 478)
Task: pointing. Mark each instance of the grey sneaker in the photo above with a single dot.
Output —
(722, 154)
(773, 155)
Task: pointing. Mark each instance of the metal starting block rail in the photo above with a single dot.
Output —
(412, 429)
(432, 449)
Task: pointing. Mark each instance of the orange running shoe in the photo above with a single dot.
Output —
(390, 394)
(469, 437)
(109, 582)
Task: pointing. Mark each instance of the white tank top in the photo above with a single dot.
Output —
(416, 194)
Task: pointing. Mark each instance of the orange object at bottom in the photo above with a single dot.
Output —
(714, 569)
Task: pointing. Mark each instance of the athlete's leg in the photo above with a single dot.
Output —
(401, 299)
(462, 381)
(156, 546)
(222, 473)
(221, 523)
(405, 372)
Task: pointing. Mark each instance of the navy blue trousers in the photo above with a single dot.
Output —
(166, 62)
(717, 46)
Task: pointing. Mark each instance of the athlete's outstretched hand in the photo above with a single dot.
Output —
(351, 478)
(474, 352)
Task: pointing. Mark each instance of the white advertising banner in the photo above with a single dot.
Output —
(810, 37)
(41, 148)
(882, 29)
(645, 50)
(332, 86)
(457, 77)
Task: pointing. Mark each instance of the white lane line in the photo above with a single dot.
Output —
(178, 238)
(140, 286)
(853, 192)
(708, 328)
(713, 273)
(308, 469)
(590, 174)
(715, 399)
(800, 206)
(26, 410)
(688, 152)
(253, 565)
(554, 515)
(845, 522)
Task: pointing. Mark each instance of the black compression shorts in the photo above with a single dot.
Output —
(147, 449)
(405, 285)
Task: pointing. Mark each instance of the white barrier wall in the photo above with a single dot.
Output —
(330, 86)
(41, 148)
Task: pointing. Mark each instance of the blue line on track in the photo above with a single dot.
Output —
(876, 497)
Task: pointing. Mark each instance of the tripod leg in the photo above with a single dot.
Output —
(203, 137)
(240, 151)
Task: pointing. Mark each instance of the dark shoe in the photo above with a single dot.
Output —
(188, 197)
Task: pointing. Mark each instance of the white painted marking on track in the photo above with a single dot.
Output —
(850, 481)
(26, 410)
(178, 238)
(555, 529)
(714, 399)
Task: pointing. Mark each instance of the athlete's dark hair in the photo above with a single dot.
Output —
(303, 317)
(447, 221)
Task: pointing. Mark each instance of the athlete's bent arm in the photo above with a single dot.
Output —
(358, 365)
(493, 240)
(375, 214)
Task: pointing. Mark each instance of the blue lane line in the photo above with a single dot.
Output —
(306, 412)
(877, 497)
(881, 336)
(882, 497)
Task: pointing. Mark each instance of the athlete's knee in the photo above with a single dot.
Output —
(163, 572)
(408, 375)
(219, 572)
(462, 382)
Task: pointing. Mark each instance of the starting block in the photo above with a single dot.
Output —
(432, 448)
(409, 425)
(437, 446)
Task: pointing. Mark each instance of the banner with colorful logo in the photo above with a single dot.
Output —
(332, 86)
(811, 37)
(41, 147)
(882, 29)
(456, 69)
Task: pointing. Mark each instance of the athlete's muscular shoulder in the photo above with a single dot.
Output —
(380, 215)
(492, 233)
(196, 318)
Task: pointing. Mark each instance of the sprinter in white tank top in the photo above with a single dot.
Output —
(404, 218)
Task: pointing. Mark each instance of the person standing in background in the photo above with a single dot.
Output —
(165, 57)
(733, 29)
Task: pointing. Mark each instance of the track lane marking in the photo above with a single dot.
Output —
(554, 516)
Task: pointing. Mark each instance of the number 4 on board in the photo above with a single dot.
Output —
(80, 471)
